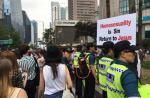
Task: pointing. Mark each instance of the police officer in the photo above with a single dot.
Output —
(66, 59)
(121, 81)
(78, 80)
(90, 80)
(104, 64)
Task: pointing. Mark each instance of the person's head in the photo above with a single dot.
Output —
(91, 47)
(124, 51)
(53, 58)
(68, 52)
(12, 57)
(39, 52)
(79, 48)
(5, 83)
(24, 49)
(108, 48)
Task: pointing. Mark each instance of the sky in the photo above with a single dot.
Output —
(40, 10)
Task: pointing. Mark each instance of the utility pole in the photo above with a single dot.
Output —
(139, 34)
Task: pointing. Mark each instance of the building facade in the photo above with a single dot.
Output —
(63, 13)
(121, 7)
(34, 32)
(55, 11)
(1, 9)
(65, 32)
(1, 12)
(14, 17)
(82, 10)
(27, 26)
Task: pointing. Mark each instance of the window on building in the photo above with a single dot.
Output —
(147, 34)
(146, 4)
(123, 6)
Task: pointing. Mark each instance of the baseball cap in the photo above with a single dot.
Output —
(123, 46)
(68, 50)
(107, 45)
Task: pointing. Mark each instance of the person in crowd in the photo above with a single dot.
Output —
(67, 60)
(103, 64)
(28, 64)
(17, 79)
(39, 55)
(121, 80)
(90, 80)
(56, 75)
(7, 90)
(136, 65)
(78, 81)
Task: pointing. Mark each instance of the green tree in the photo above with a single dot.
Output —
(9, 33)
(48, 36)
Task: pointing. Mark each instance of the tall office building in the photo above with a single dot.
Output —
(1, 12)
(1, 9)
(82, 10)
(114, 8)
(55, 12)
(13, 16)
(34, 32)
(27, 26)
(63, 13)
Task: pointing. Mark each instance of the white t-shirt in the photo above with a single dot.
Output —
(54, 85)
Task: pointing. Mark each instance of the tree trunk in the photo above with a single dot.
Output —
(139, 34)
(108, 8)
(132, 8)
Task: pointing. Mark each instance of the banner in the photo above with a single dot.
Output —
(117, 29)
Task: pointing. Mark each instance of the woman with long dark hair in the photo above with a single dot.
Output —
(55, 75)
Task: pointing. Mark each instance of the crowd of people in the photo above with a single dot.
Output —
(38, 73)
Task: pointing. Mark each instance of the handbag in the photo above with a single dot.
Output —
(67, 93)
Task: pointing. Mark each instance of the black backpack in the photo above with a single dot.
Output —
(37, 71)
(83, 71)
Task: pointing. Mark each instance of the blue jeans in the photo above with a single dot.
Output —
(55, 95)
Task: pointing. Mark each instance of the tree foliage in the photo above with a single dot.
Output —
(9, 33)
(48, 35)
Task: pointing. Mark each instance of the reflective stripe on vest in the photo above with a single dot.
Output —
(103, 65)
(114, 87)
(75, 60)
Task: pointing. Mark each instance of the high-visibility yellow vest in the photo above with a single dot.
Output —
(103, 65)
(144, 91)
(76, 59)
(114, 87)
(96, 65)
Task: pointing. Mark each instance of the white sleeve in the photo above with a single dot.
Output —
(133, 97)
(139, 65)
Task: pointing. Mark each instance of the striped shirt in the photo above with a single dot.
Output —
(27, 63)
